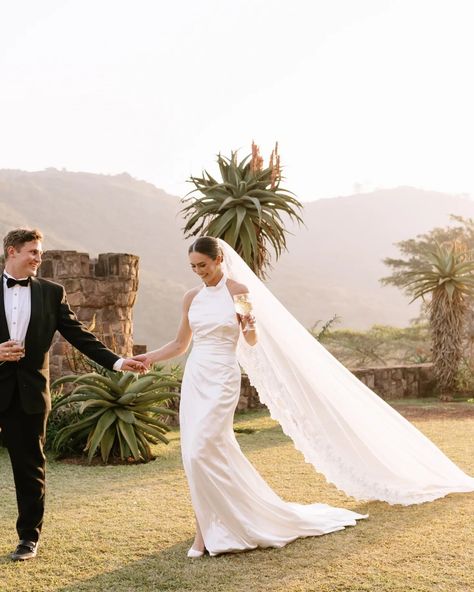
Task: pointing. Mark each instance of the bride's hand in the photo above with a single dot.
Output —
(145, 359)
(133, 365)
(248, 322)
(249, 329)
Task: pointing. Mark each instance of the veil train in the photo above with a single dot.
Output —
(346, 431)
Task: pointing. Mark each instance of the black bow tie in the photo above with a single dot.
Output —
(13, 282)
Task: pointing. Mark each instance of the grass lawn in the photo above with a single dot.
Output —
(128, 528)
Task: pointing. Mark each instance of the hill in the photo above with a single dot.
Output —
(333, 264)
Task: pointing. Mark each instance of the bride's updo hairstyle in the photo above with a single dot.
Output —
(206, 245)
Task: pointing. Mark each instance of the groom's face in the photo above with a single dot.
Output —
(25, 261)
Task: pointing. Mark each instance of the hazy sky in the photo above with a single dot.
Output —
(371, 92)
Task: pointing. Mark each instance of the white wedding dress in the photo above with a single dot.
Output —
(234, 506)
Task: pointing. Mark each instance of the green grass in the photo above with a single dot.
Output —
(128, 528)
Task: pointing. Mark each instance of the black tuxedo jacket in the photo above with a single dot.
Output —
(50, 312)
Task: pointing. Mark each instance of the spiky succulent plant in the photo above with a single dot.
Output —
(246, 208)
(121, 413)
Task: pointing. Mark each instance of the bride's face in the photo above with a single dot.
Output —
(209, 270)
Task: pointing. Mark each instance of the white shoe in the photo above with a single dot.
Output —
(194, 553)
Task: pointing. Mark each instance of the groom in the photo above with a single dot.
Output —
(31, 311)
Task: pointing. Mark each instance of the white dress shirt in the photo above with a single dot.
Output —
(17, 302)
(17, 308)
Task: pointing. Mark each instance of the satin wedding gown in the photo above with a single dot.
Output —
(234, 506)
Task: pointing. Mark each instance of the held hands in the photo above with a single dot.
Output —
(11, 351)
(144, 359)
(134, 365)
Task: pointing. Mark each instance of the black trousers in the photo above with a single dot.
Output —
(24, 436)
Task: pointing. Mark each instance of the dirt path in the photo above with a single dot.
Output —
(436, 410)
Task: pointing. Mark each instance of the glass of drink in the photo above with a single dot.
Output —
(20, 343)
(243, 307)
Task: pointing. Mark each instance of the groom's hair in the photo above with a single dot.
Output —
(206, 245)
(18, 237)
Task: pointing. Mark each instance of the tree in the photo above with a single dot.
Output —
(245, 208)
(416, 250)
(444, 272)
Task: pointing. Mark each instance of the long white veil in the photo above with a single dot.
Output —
(346, 431)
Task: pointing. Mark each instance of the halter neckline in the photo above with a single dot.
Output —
(219, 284)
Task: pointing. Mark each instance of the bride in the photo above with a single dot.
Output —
(345, 430)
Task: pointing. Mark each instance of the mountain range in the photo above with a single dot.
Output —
(333, 264)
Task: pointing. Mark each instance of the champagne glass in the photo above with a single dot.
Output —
(20, 343)
(243, 307)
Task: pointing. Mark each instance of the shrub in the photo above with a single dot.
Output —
(120, 415)
(59, 418)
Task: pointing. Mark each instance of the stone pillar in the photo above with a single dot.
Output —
(101, 292)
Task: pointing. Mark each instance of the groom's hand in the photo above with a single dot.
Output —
(143, 359)
(133, 365)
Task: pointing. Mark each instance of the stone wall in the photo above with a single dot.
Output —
(248, 396)
(394, 382)
(399, 382)
(101, 292)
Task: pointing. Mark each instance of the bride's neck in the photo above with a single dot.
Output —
(214, 282)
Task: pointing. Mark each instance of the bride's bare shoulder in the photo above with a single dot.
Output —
(189, 295)
(236, 287)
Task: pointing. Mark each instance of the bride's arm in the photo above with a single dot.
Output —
(179, 344)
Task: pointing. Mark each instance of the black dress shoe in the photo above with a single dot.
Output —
(25, 550)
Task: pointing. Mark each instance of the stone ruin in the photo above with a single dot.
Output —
(102, 293)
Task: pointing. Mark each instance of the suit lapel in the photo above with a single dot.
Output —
(36, 308)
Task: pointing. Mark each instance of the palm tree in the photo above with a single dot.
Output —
(244, 208)
(448, 275)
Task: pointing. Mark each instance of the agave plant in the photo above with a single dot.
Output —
(121, 413)
(448, 276)
(245, 208)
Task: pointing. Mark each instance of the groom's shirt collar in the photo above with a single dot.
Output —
(8, 275)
